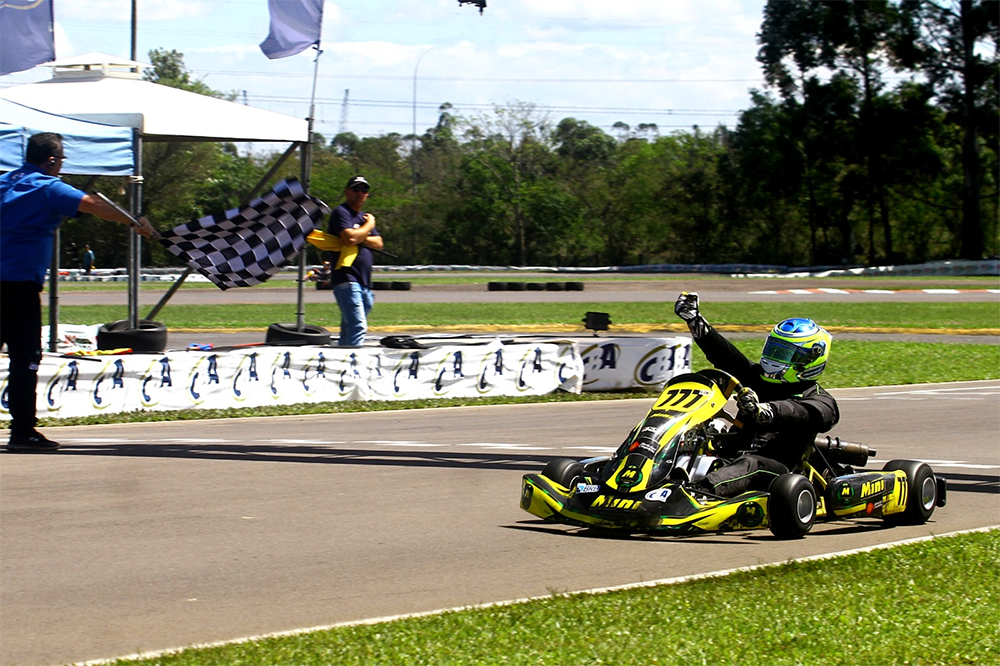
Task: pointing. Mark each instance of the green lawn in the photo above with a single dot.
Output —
(933, 602)
(861, 315)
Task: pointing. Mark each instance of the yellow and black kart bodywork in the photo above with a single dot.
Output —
(646, 487)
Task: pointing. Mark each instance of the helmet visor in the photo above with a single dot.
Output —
(781, 351)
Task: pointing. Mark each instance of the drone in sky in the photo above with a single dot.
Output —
(478, 3)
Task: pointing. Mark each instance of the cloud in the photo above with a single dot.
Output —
(120, 11)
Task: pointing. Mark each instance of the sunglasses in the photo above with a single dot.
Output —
(360, 188)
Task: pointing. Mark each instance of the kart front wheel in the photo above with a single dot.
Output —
(563, 471)
(791, 506)
(921, 496)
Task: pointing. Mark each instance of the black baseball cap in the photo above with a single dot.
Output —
(357, 181)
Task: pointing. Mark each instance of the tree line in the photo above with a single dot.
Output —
(874, 141)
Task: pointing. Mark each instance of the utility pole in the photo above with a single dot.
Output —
(343, 112)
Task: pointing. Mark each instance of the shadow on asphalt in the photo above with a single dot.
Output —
(540, 526)
(313, 455)
(972, 483)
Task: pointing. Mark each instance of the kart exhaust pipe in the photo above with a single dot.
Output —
(845, 453)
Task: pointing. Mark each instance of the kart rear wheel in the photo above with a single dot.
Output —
(921, 497)
(791, 505)
(563, 471)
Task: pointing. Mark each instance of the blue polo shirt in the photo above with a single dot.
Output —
(32, 205)
(344, 217)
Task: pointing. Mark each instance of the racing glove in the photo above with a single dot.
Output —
(686, 308)
(748, 403)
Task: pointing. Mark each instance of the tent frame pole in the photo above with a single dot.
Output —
(134, 240)
(54, 280)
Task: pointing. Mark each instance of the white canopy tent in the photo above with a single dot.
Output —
(102, 88)
(110, 90)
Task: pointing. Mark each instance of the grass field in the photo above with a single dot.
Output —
(959, 316)
(933, 602)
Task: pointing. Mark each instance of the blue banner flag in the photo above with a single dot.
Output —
(295, 26)
(25, 34)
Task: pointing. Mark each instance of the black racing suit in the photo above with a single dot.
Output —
(801, 411)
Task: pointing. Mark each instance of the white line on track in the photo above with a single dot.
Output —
(512, 602)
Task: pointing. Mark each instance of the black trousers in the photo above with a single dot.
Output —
(748, 472)
(21, 331)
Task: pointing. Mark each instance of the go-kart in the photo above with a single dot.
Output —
(649, 484)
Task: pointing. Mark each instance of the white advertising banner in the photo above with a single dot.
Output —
(70, 386)
(620, 363)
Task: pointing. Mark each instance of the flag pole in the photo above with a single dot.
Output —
(300, 315)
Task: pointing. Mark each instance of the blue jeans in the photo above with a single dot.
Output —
(355, 303)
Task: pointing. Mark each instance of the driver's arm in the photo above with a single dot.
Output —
(817, 412)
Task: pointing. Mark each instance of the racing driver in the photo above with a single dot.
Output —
(780, 402)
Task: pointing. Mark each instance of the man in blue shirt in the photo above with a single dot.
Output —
(33, 201)
(352, 281)
(88, 259)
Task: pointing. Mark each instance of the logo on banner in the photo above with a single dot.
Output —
(405, 375)
(203, 375)
(562, 375)
(153, 381)
(448, 373)
(597, 358)
(246, 372)
(661, 363)
(108, 382)
(314, 369)
(531, 366)
(350, 376)
(281, 374)
(490, 371)
(65, 379)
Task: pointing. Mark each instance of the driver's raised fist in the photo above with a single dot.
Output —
(686, 306)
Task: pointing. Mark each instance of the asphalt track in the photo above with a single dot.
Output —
(143, 537)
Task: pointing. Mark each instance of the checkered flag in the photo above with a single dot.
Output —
(246, 246)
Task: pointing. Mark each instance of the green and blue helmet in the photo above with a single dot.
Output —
(795, 351)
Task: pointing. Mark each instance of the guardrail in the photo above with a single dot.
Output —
(941, 268)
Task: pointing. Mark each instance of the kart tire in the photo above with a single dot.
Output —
(288, 334)
(791, 505)
(496, 286)
(921, 497)
(402, 285)
(563, 471)
(536, 286)
(555, 286)
(516, 286)
(151, 336)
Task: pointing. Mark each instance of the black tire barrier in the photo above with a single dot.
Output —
(574, 286)
(323, 286)
(536, 286)
(381, 286)
(402, 286)
(151, 336)
(288, 334)
(496, 286)
(555, 286)
(515, 286)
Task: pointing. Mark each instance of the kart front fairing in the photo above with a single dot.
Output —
(644, 486)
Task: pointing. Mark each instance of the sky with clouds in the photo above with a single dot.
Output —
(673, 63)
